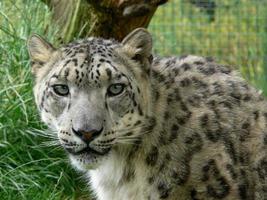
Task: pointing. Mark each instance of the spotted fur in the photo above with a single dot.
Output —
(183, 127)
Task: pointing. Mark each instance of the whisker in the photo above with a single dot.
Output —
(131, 128)
(130, 139)
(43, 133)
(127, 141)
(56, 148)
(136, 134)
(51, 143)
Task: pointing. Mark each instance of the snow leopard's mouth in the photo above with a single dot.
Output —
(88, 150)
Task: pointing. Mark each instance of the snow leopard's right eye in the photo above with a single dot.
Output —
(61, 90)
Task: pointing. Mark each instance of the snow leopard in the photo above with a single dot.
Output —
(144, 127)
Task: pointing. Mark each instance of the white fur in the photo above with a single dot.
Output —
(105, 181)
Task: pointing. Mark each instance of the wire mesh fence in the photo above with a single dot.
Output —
(232, 31)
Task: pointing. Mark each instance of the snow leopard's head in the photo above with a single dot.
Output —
(93, 92)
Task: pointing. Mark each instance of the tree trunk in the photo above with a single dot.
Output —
(101, 18)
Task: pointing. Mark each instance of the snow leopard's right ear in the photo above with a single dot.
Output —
(40, 51)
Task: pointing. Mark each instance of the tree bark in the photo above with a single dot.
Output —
(100, 18)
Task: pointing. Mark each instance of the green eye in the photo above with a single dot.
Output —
(62, 90)
(115, 89)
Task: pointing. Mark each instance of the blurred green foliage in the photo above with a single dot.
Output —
(236, 35)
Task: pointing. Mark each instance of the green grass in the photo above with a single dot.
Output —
(28, 169)
(31, 170)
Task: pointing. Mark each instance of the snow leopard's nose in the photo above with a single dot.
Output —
(87, 135)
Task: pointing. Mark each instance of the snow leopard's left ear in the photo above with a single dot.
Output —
(138, 44)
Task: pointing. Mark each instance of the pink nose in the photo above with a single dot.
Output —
(87, 136)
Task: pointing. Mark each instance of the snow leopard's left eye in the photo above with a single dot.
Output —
(61, 90)
(115, 89)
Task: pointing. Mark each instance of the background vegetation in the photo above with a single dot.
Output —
(28, 168)
(235, 34)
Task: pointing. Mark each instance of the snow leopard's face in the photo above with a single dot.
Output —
(93, 92)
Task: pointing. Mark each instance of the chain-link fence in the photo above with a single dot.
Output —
(232, 31)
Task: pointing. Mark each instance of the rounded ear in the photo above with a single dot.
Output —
(40, 50)
(138, 43)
